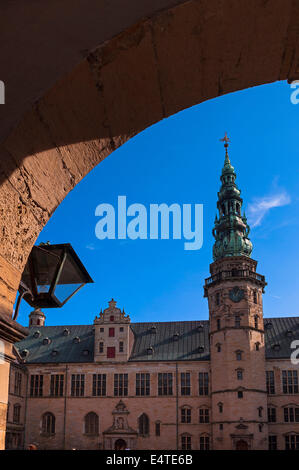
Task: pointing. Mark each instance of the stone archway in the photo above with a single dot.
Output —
(120, 444)
(180, 54)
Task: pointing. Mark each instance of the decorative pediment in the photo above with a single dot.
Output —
(112, 314)
(120, 421)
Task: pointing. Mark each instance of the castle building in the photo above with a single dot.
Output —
(226, 383)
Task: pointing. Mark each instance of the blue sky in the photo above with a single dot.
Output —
(179, 160)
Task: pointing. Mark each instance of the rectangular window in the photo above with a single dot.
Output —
(16, 414)
(110, 352)
(272, 442)
(57, 385)
(120, 385)
(77, 385)
(292, 442)
(121, 347)
(203, 381)
(204, 443)
(204, 415)
(290, 381)
(36, 385)
(18, 383)
(185, 383)
(186, 443)
(272, 415)
(111, 332)
(101, 347)
(142, 385)
(239, 374)
(158, 429)
(99, 385)
(186, 415)
(165, 384)
(291, 415)
(270, 382)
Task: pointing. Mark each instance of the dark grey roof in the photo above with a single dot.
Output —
(279, 334)
(167, 341)
(171, 341)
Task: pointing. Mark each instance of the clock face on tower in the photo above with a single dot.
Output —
(236, 294)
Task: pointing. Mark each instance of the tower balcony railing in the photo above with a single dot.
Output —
(235, 273)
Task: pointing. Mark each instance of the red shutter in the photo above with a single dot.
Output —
(110, 352)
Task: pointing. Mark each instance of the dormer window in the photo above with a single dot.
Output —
(276, 347)
(201, 349)
(37, 334)
(66, 332)
(176, 337)
(76, 339)
(46, 341)
(150, 351)
(153, 329)
(54, 352)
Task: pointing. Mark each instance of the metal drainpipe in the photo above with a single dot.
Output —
(177, 406)
(65, 398)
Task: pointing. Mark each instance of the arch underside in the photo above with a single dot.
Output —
(165, 63)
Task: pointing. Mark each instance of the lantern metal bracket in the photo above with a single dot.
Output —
(25, 291)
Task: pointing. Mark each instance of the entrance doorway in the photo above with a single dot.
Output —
(120, 444)
(241, 445)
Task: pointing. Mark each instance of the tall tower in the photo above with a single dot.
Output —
(237, 344)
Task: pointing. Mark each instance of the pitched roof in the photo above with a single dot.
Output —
(168, 341)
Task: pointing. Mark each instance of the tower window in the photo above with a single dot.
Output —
(260, 411)
(239, 355)
(121, 329)
(121, 347)
(101, 347)
(257, 346)
(256, 322)
(101, 330)
(237, 321)
(255, 296)
(239, 374)
(220, 407)
(218, 346)
(240, 394)
(111, 332)
(218, 324)
(221, 427)
(218, 298)
(260, 427)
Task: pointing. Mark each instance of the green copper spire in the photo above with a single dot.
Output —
(231, 229)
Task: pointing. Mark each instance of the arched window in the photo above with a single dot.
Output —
(16, 413)
(91, 424)
(220, 407)
(143, 425)
(48, 424)
(239, 355)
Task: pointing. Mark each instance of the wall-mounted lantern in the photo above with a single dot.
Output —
(52, 275)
